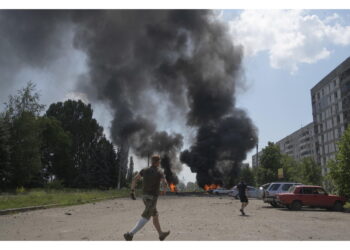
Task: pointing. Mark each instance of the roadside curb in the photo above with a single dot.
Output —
(25, 209)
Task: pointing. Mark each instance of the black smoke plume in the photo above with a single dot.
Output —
(141, 61)
(170, 176)
(138, 60)
(219, 149)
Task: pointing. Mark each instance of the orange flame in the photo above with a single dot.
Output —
(210, 187)
(172, 187)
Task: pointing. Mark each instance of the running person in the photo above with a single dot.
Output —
(242, 192)
(152, 177)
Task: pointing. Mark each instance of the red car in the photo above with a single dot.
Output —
(312, 196)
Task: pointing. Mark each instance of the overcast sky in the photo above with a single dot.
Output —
(286, 53)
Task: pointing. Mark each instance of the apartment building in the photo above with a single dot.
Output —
(330, 100)
(300, 144)
(331, 111)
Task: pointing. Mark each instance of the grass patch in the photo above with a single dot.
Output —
(347, 205)
(65, 197)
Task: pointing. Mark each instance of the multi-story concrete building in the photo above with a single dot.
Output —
(331, 111)
(331, 116)
(300, 144)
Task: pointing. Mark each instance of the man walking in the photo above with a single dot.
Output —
(242, 190)
(152, 176)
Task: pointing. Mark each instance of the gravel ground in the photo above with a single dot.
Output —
(188, 217)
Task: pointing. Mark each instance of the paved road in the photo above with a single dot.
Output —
(188, 218)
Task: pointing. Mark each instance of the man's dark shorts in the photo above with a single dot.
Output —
(150, 202)
(243, 198)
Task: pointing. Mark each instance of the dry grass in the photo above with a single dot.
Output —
(65, 197)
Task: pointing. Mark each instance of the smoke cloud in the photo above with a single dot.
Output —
(141, 61)
(220, 147)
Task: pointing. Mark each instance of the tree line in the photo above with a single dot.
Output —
(65, 146)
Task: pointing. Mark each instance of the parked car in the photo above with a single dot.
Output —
(276, 188)
(252, 192)
(262, 189)
(220, 191)
(312, 196)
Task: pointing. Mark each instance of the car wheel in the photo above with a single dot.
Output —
(237, 197)
(274, 204)
(296, 205)
(338, 206)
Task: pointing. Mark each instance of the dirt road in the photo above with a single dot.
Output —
(188, 218)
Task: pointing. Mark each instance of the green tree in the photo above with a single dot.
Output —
(25, 153)
(56, 151)
(5, 167)
(340, 168)
(130, 171)
(248, 176)
(21, 114)
(92, 155)
(290, 168)
(122, 163)
(76, 118)
(309, 172)
(270, 162)
(103, 165)
(26, 100)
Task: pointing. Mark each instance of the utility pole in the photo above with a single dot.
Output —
(257, 155)
(148, 159)
(116, 149)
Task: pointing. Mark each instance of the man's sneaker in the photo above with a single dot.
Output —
(163, 235)
(128, 236)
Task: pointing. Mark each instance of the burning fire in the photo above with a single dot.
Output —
(210, 187)
(172, 187)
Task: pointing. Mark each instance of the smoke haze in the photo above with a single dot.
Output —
(148, 66)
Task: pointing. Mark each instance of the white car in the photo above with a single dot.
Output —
(252, 192)
(219, 191)
(276, 188)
